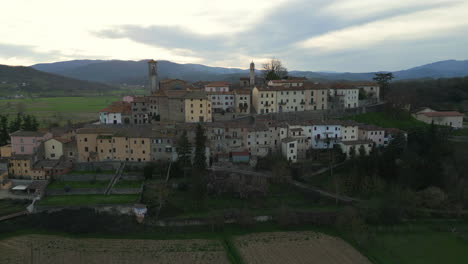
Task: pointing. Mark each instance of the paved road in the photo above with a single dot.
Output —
(5, 194)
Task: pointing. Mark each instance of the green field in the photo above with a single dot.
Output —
(91, 199)
(128, 184)
(418, 247)
(77, 184)
(10, 206)
(382, 119)
(58, 109)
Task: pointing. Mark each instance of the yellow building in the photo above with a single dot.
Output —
(5, 151)
(197, 108)
(20, 166)
(264, 100)
(114, 144)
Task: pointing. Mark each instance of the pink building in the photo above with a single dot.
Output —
(127, 99)
(27, 142)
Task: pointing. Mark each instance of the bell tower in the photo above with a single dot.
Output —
(252, 74)
(153, 76)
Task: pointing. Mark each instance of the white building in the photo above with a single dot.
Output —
(325, 134)
(374, 133)
(116, 113)
(222, 101)
(446, 118)
(354, 146)
(217, 87)
(344, 96)
(289, 149)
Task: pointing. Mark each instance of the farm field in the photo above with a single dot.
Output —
(418, 247)
(10, 206)
(58, 109)
(77, 184)
(89, 199)
(297, 248)
(61, 250)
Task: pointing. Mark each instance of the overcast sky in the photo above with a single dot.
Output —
(332, 35)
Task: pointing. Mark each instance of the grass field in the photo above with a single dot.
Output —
(90, 199)
(382, 119)
(423, 247)
(10, 206)
(128, 184)
(77, 184)
(58, 109)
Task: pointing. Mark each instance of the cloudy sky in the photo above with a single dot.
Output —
(331, 35)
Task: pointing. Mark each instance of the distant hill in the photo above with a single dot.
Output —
(134, 72)
(26, 80)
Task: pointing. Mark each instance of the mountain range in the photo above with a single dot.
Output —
(135, 72)
(26, 80)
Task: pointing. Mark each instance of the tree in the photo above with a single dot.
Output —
(184, 150)
(200, 155)
(15, 124)
(4, 136)
(274, 70)
(383, 79)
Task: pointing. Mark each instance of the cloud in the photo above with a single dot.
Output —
(350, 35)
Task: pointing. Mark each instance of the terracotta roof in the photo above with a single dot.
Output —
(23, 133)
(442, 114)
(242, 91)
(370, 128)
(118, 107)
(217, 84)
(288, 81)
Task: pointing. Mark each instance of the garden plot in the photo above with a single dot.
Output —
(297, 248)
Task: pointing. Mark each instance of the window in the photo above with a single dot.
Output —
(85, 139)
(86, 149)
(52, 155)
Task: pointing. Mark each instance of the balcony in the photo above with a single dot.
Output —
(282, 103)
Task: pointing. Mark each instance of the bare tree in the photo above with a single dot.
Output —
(274, 70)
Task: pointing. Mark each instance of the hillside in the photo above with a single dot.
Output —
(28, 81)
(134, 72)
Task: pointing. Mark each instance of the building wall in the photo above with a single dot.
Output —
(110, 118)
(289, 150)
(5, 151)
(27, 145)
(320, 134)
(376, 136)
(371, 91)
(86, 145)
(53, 149)
(452, 121)
(290, 101)
(266, 102)
(346, 149)
(222, 101)
(243, 99)
(197, 110)
(163, 149)
(349, 133)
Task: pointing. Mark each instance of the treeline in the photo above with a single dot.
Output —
(21, 121)
(448, 93)
(426, 171)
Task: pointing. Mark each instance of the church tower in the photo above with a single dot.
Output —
(153, 76)
(252, 74)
